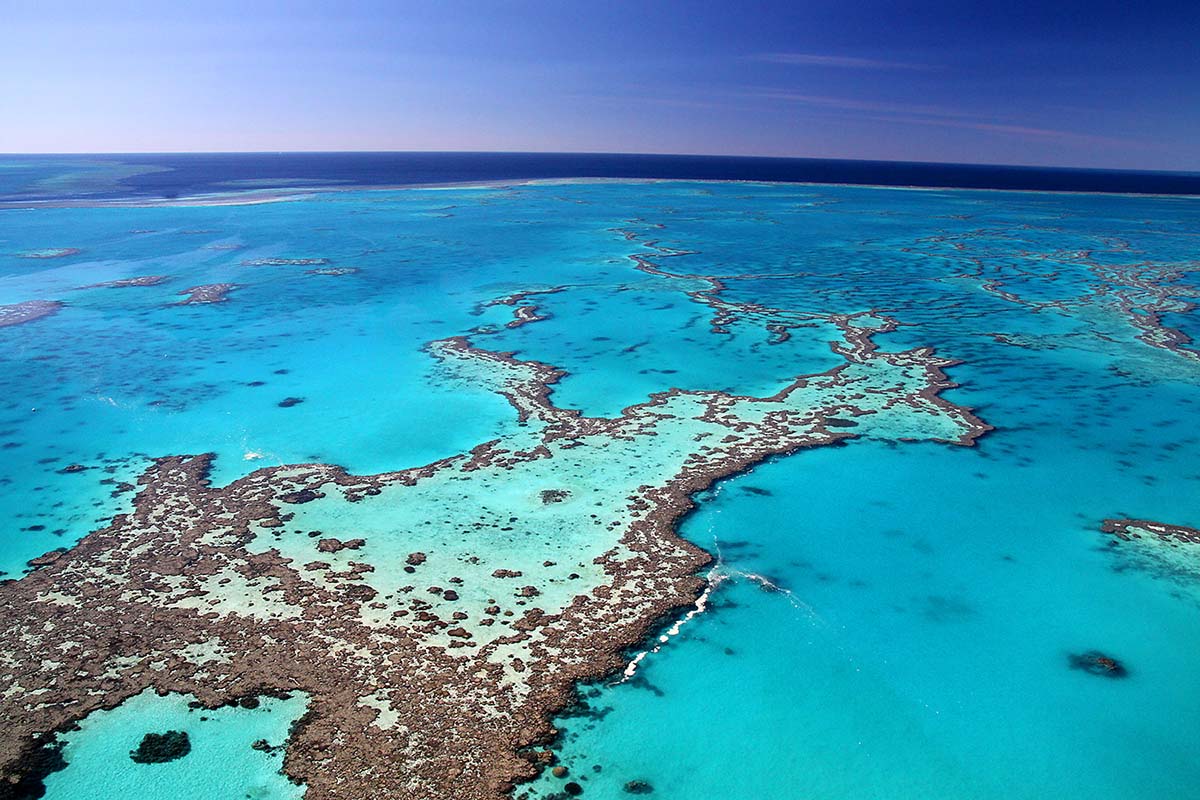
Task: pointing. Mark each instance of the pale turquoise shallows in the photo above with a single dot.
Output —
(222, 762)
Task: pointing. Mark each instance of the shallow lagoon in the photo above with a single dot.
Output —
(933, 594)
(222, 761)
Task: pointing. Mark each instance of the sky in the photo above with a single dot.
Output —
(1057, 82)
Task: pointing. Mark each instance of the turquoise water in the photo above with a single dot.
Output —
(931, 595)
(221, 762)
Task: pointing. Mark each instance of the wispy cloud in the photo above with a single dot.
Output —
(1024, 131)
(938, 116)
(669, 102)
(853, 104)
(838, 62)
(839, 107)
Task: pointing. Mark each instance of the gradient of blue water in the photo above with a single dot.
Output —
(933, 593)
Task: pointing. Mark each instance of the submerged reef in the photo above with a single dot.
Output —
(50, 252)
(1093, 662)
(1169, 552)
(44, 758)
(143, 280)
(1142, 295)
(285, 262)
(332, 271)
(159, 748)
(431, 670)
(1144, 529)
(28, 311)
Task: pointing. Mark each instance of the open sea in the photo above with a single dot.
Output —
(889, 619)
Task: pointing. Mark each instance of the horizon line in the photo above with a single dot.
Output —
(1190, 173)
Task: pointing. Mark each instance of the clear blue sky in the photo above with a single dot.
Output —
(1054, 82)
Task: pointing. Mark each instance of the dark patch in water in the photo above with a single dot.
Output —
(159, 748)
(922, 546)
(300, 496)
(641, 682)
(581, 709)
(1093, 662)
(263, 746)
(947, 609)
(45, 758)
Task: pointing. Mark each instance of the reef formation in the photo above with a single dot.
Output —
(208, 293)
(1162, 550)
(159, 748)
(432, 671)
(1142, 295)
(285, 262)
(50, 252)
(27, 311)
(122, 283)
(335, 271)
(1136, 529)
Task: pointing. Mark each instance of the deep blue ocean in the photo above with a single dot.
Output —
(174, 175)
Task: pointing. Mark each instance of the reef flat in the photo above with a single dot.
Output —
(27, 311)
(208, 293)
(447, 667)
(50, 252)
(1134, 529)
(1170, 552)
(121, 283)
